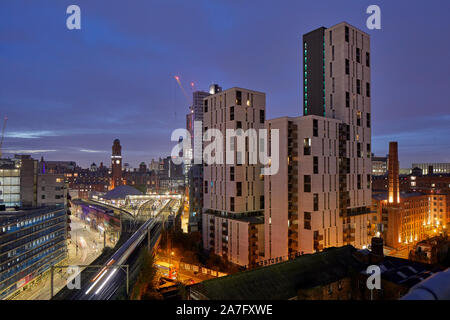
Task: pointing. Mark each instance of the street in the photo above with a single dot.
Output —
(90, 245)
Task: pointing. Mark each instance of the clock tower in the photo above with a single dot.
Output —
(116, 164)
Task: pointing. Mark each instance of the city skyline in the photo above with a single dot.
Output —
(68, 94)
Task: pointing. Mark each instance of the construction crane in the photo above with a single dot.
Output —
(3, 135)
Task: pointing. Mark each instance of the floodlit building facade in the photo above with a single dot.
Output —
(233, 194)
(321, 196)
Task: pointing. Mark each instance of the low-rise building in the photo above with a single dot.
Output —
(333, 274)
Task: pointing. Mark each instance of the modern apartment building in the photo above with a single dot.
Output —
(233, 194)
(321, 196)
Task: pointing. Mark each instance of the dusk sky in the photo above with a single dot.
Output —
(69, 93)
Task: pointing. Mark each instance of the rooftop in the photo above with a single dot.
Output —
(403, 195)
(283, 280)
(121, 192)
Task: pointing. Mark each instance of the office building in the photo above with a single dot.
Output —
(379, 166)
(31, 240)
(433, 168)
(21, 185)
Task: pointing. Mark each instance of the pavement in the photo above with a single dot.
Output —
(84, 247)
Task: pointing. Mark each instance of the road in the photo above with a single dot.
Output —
(90, 246)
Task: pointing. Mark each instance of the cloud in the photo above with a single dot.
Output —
(92, 151)
(25, 151)
(31, 134)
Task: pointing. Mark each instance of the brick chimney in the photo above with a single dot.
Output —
(394, 186)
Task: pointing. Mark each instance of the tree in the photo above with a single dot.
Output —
(145, 286)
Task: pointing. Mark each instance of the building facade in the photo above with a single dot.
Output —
(194, 171)
(232, 192)
(379, 166)
(321, 196)
(433, 168)
(30, 242)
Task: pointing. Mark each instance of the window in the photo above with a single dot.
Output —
(367, 59)
(358, 146)
(238, 125)
(238, 98)
(368, 150)
(359, 181)
(347, 99)
(368, 181)
(315, 127)
(206, 186)
(239, 189)
(261, 202)
(261, 116)
(307, 220)
(358, 118)
(347, 66)
(316, 201)
(368, 120)
(307, 146)
(316, 165)
(206, 106)
(358, 86)
(358, 55)
(331, 69)
(231, 203)
(368, 89)
(231, 113)
(307, 183)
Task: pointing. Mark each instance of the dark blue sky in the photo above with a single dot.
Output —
(68, 94)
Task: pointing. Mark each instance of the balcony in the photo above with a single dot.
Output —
(318, 238)
(349, 238)
(292, 215)
(292, 234)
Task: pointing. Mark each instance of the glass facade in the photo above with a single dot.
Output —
(9, 183)
(30, 242)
